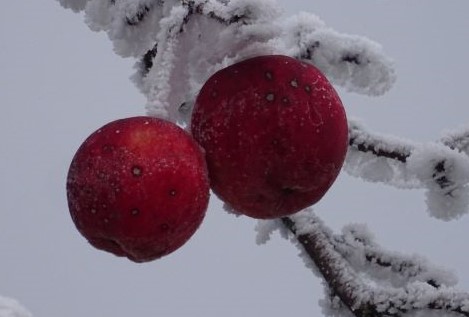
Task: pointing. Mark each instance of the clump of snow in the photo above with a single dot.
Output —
(99, 15)
(351, 61)
(12, 308)
(446, 206)
(457, 139)
(75, 5)
(265, 229)
(229, 209)
(358, 233)
(445, 174)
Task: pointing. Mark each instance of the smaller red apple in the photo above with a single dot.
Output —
(138, 187)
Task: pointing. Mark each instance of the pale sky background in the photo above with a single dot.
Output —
(59, 81)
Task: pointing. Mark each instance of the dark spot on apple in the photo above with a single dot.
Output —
(172, 192)
(308, 89)
(214, 94)
(137, 171)
(288, 190)
(134, 211)
(270, 97)
(164, 227)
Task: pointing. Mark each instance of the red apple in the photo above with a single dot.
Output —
(138, 187)
(275, 135)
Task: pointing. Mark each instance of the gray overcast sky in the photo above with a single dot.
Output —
(59, 81)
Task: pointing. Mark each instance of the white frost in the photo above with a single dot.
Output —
(442, 169)
(445, 173)
(181, 66)
(373, 168)
(75, 5)
(265, 229)
(457, 139)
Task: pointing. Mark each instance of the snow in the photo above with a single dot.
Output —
(374, 168)
(368, 70)
(265, 229)
(389, 281)
(12, 308)
(457, 139)
(75, 5)
(438, 168)
(181, 66)
(445, 174)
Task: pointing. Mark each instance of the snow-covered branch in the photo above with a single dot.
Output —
(442, 168)
(357, 246)
(363, 292)
(164, 37)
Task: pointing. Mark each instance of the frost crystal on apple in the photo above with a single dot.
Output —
(179, 44)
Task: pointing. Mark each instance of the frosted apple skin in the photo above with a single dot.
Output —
(138, 187)
(275, 135)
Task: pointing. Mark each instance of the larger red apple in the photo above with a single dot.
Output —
(138, 187)
(275, 135)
